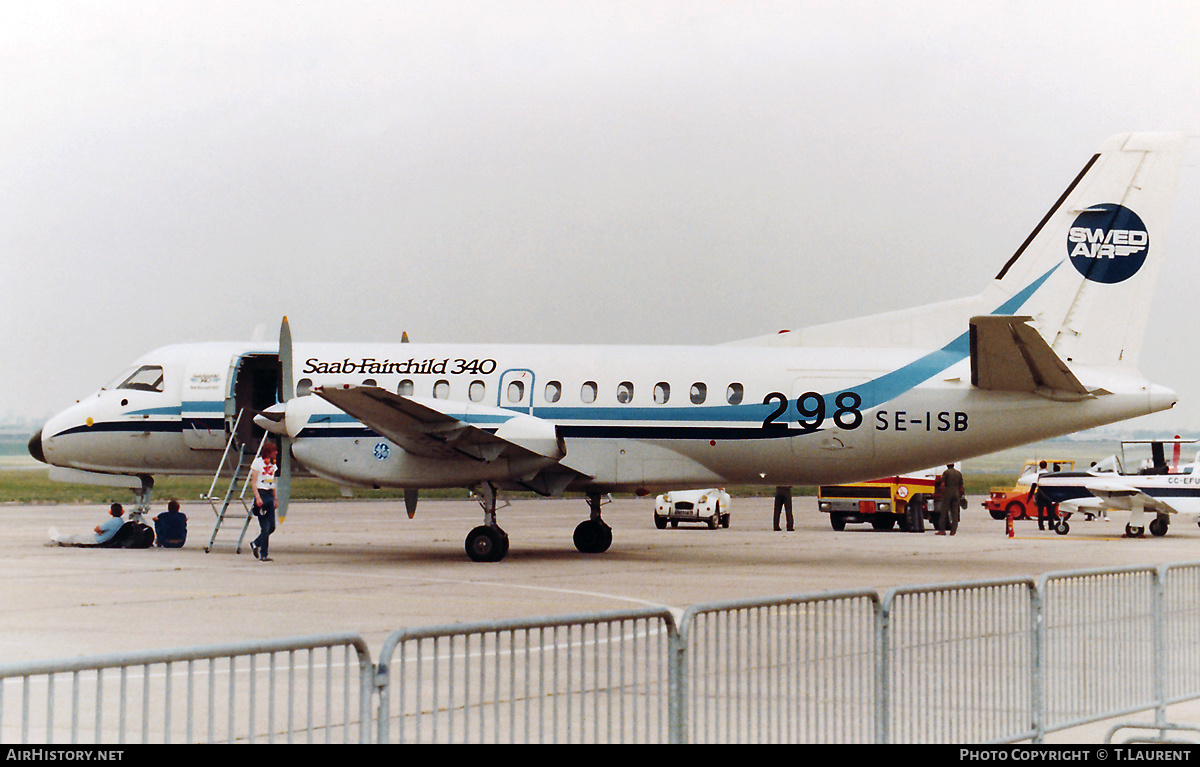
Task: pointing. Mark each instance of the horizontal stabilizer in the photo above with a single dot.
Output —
(1007, 354)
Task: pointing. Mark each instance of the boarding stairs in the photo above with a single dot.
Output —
(232, 506)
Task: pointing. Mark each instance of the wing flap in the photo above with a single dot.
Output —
(1007, 354)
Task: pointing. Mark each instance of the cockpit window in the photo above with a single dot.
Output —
(145, 378)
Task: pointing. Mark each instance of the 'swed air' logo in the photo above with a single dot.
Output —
(1108, 243)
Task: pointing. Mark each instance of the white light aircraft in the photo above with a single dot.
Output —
(1153, 486)
(1048, 348)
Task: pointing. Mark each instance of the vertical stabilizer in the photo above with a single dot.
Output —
(1090, 266)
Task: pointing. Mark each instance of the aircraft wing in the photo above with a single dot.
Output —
(1009, 355)
(1119, 495)
(420, 427)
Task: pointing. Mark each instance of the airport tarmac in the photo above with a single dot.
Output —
(365, 567)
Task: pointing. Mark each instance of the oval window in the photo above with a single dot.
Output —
(441, 389)
(699, 393)
(662, 393)
(553, 391)
(516, 391)
(734, 394)
(625, 392)
(588, 392)
(405, 389)
(477, 391)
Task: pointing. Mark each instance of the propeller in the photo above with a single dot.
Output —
(283, 479)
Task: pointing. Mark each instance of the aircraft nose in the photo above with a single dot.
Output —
(35, 446)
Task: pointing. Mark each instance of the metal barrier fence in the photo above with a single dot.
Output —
(988, 661)
(587, 678)
(309, 690)
(788, 669)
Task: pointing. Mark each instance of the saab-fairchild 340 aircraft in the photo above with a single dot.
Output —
(1048, 348)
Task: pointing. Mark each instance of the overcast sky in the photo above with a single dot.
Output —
(598, 172)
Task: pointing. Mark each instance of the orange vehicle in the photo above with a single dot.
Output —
(1015, 500)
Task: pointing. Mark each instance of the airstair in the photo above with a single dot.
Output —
(233, 473)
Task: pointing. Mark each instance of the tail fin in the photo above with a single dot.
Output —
(1086, 274)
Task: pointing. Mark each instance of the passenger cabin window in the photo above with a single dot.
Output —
(405, 389)
(441, 389)
(699, 393)
(370, 382)
(553, 391)
(516, 391)
(588, 392)
(734, 394)
(625, 392)
(477, 391)
(662, 393)
(304, 387)
(145, 378)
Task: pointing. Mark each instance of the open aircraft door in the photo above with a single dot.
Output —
(254, 381)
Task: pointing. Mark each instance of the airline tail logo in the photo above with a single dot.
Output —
(1108, 243)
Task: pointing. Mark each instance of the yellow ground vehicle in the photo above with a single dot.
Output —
(904, 500)
(1015, 500)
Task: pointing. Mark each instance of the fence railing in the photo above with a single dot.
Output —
(317, 689)
(587, 678)
(1005, 660)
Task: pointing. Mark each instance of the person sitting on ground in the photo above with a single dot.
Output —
(109, 527)
(100, 535)
(170, 527)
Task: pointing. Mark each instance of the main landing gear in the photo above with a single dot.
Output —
(593, 535)
(488, 543)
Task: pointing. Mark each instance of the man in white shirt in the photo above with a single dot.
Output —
(262, 480)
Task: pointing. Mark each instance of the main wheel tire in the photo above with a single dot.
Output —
(592, 537)
(487, 544)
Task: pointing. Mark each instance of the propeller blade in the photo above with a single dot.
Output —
(410, 502)
(272, 419)
(286, 385)
(283, 479)
(287, 390)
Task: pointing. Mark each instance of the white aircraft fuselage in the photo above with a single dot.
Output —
(731, 415)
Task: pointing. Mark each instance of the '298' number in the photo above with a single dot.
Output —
(811, 410)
